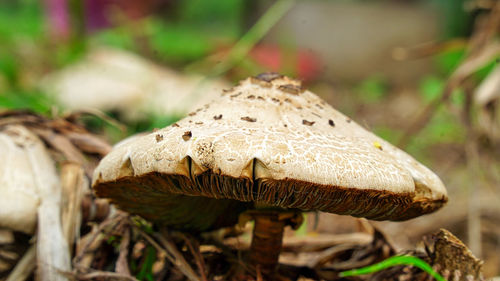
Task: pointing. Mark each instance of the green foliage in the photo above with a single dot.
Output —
(448, 61)
(373, 89)
(117, 37)
(172, 42)
(20, 19)
(9, 67)
(188, 37)
(34, 101)
(224, 17)
(143, 224)
(444, 128)
(66, 54)
(431, 88)
(146, 269)
(253, 36)
(394, 261)
(457, 21)
(387, 134)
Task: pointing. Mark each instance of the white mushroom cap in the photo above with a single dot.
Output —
(269, 141)
(19, 198)
(116, 80)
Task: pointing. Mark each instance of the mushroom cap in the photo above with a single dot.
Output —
(18, 182)
(121, 81)
(267, 140)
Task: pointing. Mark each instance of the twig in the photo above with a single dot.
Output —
(196, 254)
(178, 260)
(106, 275)
(155, 244)
(327, 255)
(427, 49)
(171, 253)
(96, 234)
(121, 266)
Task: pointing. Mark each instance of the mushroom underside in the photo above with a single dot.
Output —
(210, 200)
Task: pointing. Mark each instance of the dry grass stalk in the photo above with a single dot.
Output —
(25, 266)
(85, 249)
(105, 275)
(74, 184)
(52, 249)
(179, 261)
(121, 266)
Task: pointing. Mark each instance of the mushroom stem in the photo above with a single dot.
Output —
(268, 237)
(266, 241)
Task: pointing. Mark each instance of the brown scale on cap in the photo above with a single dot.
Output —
(291, 89)
(248, 119)
(187, 135)
(307, 123)
(260, 82)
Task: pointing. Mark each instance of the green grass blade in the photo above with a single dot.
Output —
(393, 261)
(254, 35)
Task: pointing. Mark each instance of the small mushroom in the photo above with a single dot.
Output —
(31, 198)
(20, 196)
(273, 171)
(120, 81)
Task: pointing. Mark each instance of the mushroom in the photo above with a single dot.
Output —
(20, 197)
(270, 147)
(128, 84)
(31, 198)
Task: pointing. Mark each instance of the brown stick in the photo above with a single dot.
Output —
(266, 242)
